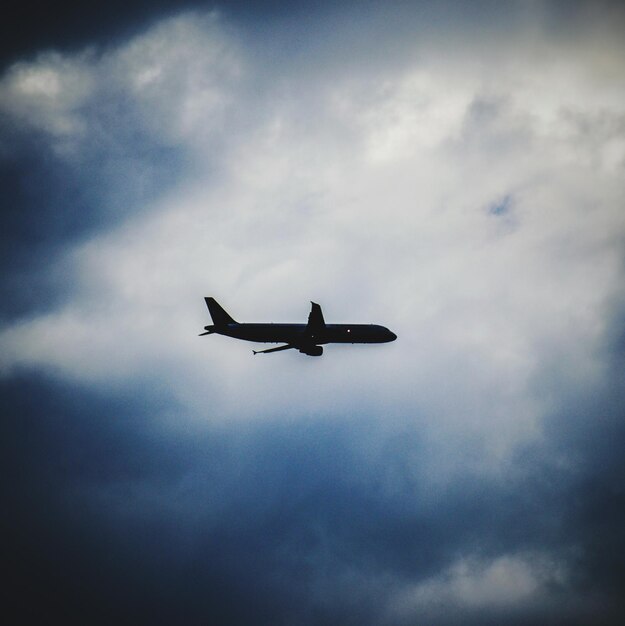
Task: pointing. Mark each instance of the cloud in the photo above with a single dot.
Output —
(46, 94)
(456, 190)
(335, 515)
(378, 200)
(170, 83)
(503, 583)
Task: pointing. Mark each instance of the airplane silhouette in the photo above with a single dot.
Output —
(303, 337)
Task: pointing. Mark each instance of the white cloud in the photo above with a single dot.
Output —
(508, 583)
(175, 82)
(369, 196)
(48, 93)
(179, 76)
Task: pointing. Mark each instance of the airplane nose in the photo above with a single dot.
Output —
(391, 336)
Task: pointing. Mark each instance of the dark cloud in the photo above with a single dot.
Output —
(48, 207)
(588, 433)
(52, 200)
(110, 516)
(36, 25)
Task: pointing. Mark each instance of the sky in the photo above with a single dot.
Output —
(453, 171)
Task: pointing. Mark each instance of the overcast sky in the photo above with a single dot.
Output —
(453, 172)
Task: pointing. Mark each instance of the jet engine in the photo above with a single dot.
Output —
(312, 350)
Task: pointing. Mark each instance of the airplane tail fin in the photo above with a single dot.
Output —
(220, 317)
(315, 318)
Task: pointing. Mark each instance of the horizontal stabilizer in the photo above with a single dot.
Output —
(287, 347)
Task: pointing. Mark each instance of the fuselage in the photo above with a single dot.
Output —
(300, 333)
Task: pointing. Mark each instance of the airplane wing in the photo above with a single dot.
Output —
(287, 347)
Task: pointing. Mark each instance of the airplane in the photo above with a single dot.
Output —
(303, 337)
